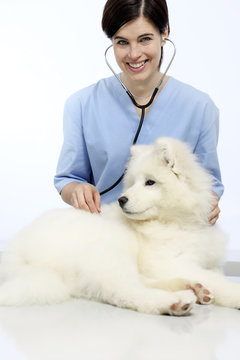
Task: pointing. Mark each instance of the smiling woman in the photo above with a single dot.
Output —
(100, 121)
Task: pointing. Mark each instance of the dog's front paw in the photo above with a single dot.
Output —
(204, 295)
(186, 302)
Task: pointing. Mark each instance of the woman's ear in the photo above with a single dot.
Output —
(164, 36)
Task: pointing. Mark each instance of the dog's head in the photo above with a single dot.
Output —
(165, 181)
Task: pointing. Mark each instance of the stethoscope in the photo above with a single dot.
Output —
(142, 107)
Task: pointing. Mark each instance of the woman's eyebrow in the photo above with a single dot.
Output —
(142, 35)
(119, 37)
(145, 34)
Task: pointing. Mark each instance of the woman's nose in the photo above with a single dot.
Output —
(134, 52)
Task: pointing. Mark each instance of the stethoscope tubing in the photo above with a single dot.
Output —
(134, 142)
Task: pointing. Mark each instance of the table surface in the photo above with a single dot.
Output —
(81, 329)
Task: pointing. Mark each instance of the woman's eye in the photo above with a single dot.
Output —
(122, 42)
(146, 39)
(150, 182)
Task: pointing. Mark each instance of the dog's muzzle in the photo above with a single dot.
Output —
(122, 201)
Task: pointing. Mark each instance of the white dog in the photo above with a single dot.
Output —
(155, 253)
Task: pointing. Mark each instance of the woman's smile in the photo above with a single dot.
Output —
(137, 66)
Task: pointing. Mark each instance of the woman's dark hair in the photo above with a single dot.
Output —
(117, 13)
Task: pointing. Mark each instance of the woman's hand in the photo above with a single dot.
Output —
(214, 215)
(82, 196)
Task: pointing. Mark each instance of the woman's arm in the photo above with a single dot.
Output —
(73, 175)
(206, 150)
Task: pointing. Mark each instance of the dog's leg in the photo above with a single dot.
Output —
(209, 286)
(226, 293)
(153, 301)
(33, 285)
(204, 295)
(124, 289)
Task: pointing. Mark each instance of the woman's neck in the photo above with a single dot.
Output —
(143, 89)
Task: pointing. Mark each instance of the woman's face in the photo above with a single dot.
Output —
(137, 48)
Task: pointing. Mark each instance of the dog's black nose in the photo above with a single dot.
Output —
(122, 201)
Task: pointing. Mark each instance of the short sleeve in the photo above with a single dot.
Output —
(206, 148)
(73, 163)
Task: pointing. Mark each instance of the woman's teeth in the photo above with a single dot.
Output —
(136, 66)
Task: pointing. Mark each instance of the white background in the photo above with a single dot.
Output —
(51, 48)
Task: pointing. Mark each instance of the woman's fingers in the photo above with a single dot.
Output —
(81, 202)
(89, 199)
(86, 197)
(97, 199)
(214, 215)
(74, 200)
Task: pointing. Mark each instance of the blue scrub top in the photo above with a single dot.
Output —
(100, 123)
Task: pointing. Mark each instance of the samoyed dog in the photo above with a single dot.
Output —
(153, 251)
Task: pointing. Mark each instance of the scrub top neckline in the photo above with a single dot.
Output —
(123, 97)
(121, 92)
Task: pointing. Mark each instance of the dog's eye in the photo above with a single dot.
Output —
(150, 182)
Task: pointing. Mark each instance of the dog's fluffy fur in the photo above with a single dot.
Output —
(156, 253)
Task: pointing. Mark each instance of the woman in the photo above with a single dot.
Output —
(100, 121)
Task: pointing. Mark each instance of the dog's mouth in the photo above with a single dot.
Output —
(130, 212)
(135, 213)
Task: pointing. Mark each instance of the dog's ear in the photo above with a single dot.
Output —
(167, 153)
(138, 150)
